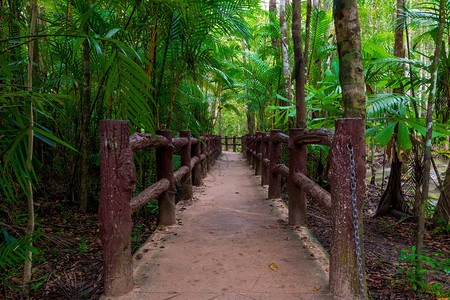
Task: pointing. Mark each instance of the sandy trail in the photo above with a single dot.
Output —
(223, 246)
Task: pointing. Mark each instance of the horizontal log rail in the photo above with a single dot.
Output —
(263, 152)
(118, 175)
(233, 140)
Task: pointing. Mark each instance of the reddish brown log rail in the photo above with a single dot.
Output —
(232, 142)
(118, 176)
(263, 153)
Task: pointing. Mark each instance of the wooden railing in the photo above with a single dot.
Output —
(118, 176)
(263, 152)
(233, 140)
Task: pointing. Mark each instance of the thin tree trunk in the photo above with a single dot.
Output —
(85, 130)
(441, 215)
(285, 52)
(273, 11)
(299, 73)
(30, 226)
(351, 72)
(307, 31)
(427, 144)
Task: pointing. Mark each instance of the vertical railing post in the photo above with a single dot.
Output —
(185, 158)
(202, 141)
(234, 143)
(250, 149)
(244, 152)
(197, 171)
(226, 143)
(344, 266)
(164, 169)
(209, 153)
(255, 152)
(258, 154)
(118, 176)
(297, 164)
(275, 159)
(265, 155)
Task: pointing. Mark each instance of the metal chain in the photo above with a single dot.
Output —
(362, 283)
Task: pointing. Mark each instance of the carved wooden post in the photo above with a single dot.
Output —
(118, 176)
(226, 143)
(197, 171)
(203, 147)
(297, 164)
(344, 280)
(258, 154)
(275, 159)
(164, 169)
(209, 152)
(249, 149)
(255, 151)
(265, 155)
(234, 143)
(185, 157)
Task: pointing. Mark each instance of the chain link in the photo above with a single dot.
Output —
(362, 282)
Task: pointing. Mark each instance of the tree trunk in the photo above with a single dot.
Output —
(30, 203)
(285, 53)
(441, 215)
(85, 130)
(392, 198)
(351, 72)
(273, 11)
(299, 69)
(429, 122)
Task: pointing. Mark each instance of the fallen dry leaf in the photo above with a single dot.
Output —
(273, 266)
(316, 288)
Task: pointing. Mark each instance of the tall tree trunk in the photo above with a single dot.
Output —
(351, 72)
(30, 226)
(441, 215)
(285, 52)
(250, 111)
(85, 130)
(273, 11)
(351, 75)
(429, 122)
(299, 67)
(393, 197)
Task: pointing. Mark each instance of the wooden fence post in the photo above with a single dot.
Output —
(265, 155)
(234, 143)
(197, 171)
(250, 149)
(226, 143)
(344, 279)
(208, 153)
(164, 169)
(258, 154)
(243, 145)
(255, 151)
(297, 164)
(118, 176)
(275, 159)
(202, 141)
(185, 157)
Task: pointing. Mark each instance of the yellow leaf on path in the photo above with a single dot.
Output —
(316, 288)
(273, 266)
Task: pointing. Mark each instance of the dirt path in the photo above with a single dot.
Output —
(224, 245)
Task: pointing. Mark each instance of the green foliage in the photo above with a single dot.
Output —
(415, 279)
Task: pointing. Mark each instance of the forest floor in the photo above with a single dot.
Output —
(69, 265)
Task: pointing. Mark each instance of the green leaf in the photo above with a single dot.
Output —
(385, 135)
(404, 140)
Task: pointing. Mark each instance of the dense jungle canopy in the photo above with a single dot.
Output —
(226, 67)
